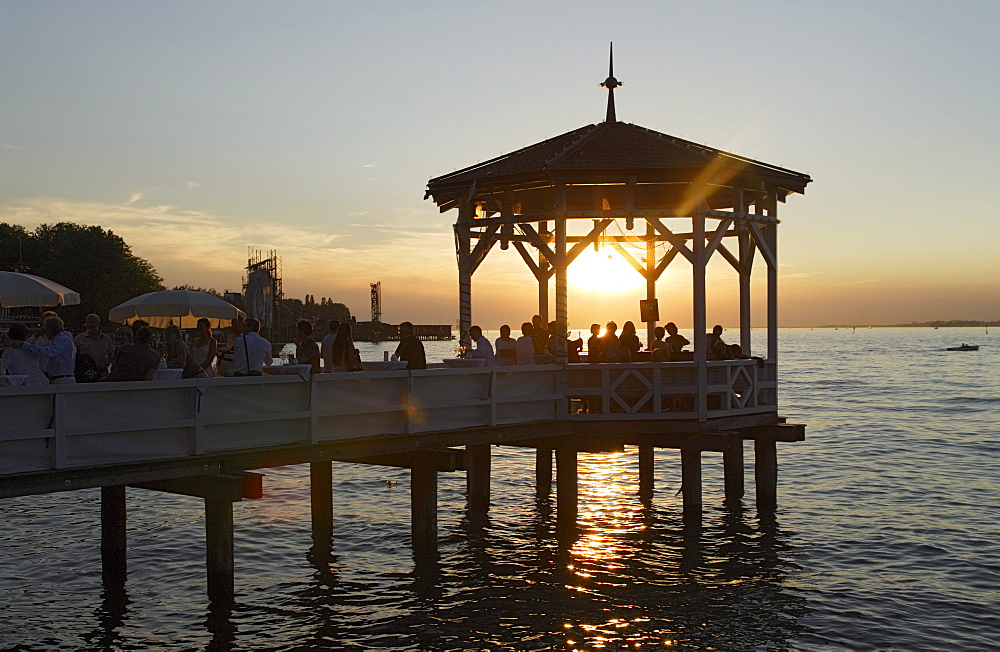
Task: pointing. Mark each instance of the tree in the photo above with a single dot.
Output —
(96, 263)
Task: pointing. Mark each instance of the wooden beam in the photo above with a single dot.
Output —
(628, 257)
(423, 505)
(535, 239)
(664, 263)
(725, 253)
(691, 486)
(321, 503)
(219, 561)
(543, 471)
(587, 240)
(532, 265)
(231, 486)
(447, 459)
(721, 232)
(761, 241)
(677, 242)
(478, 477)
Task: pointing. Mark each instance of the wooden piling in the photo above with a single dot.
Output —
(732, 460)
(423, 505)
(114, 564)
(321, 502)
(543, 471)
(691, 484)
(766, 474)
(646, 466)
(477, 477)
(566, 486)
(219, 549)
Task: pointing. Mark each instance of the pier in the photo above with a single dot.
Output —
(209, 437)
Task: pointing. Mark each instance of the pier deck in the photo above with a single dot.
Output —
(203, 437)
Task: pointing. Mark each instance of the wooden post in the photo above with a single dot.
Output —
(463, 241)
(321, 502)
(650, 276)
(543, 277)
(698, 272)
(732, 461)
(766, 474)
(746, 253)
(423, 505)
(646, 467)
(543, 471)
(691, 485)
(219, 549)
(771, 237)
(477, 477)
(566, 487)
(562, 267)
(114, 564)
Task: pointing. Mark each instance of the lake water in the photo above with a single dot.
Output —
(886, 537)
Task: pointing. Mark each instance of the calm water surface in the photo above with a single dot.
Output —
(886, 537)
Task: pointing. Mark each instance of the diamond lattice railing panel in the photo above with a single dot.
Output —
(631, 391)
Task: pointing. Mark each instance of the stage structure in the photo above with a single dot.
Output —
(621, 185)
(262, 293)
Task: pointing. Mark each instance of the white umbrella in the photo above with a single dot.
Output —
(181, 307)
(22, 290)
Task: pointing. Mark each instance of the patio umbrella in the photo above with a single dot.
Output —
(181, 307)
(23, 290)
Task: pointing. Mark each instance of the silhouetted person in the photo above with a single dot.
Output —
(506, 348)
(594, 344)
(410, 348)
(609, 343)
(628, 339)
(136, 361)
(525, 345)
(483, 350)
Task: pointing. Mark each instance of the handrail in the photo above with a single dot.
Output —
(57, 427)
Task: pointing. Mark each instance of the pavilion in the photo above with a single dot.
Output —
(553, 199)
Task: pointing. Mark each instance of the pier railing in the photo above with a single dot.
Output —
(59, 427)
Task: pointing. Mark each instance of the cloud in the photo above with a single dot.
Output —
(201, 248)
(193, 184)
(11, 147)
(133, 198)
(370, 165)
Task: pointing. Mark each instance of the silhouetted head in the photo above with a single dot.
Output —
(17, 332)
(123, 335)
(536, 321)
(595, 329)
(92, 323)
(304, 327)
(717, 330)
(671, 328)
(658, 332)
(171, 333)
(628, 328)
(406, 328)
(505, 331)
(204, 327)
(611, 328)
(526, 329)
(475, 332)
(251, 326)
(53, 325)
(346, 334)
(334, 325)
(144, 336)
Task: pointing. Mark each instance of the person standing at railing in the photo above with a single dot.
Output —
(20, 362)
(60, 350)
(410, 348)
(205, 347)
(506, 349)
(326, 348)
(96, 344)
(307, 350)
(594, 344)
(525, 345)
(483, 350)
(675, 341)
(134, 361)
(609, 343)
(629, 341)
(251, 352)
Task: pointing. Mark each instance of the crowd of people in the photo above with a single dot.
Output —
(542, 343)
(51, 355)
(135, 352)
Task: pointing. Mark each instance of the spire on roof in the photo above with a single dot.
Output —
(611, 84)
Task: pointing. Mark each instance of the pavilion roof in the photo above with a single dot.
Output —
(613, 152)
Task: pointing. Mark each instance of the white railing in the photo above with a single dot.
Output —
(651, 390)
(57, 427)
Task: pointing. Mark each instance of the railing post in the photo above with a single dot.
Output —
(543, 471)
(219, 549)
(646, 468)
(766, 474)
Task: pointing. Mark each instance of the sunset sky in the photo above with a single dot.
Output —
(198, 129)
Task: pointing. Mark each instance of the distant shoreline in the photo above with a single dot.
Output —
(926, 324)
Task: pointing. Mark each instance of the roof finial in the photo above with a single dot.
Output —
(611, 84)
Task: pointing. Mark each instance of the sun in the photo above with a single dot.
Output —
(603, 271)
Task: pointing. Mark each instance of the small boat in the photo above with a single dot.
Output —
(964, 347)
